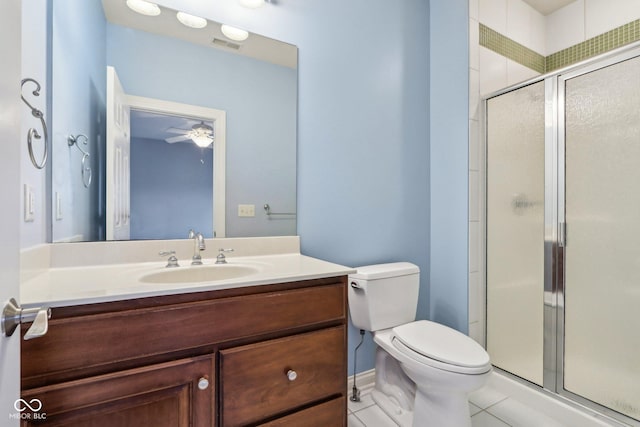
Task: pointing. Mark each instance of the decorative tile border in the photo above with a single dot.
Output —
(515, 51)
(605, 42)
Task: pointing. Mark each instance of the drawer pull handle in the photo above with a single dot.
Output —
(203, 383)
(292, 375)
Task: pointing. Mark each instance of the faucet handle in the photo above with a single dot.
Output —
(172, 261)
(191, 234)
(221, 259)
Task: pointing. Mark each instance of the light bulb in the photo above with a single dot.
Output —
(144, 7)
(234, 33)
(202, 140)
(191, 20)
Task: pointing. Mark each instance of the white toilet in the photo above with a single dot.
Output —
(424, 370)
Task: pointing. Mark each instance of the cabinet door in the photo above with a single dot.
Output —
(274, 378)
(171, 394)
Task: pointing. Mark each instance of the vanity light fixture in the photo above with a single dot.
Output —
(252, 4)
(234, 33)
(144, 7)
(191, 21)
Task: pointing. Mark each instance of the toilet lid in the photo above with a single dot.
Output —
(441, 343)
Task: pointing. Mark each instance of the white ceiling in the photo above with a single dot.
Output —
(546, 7)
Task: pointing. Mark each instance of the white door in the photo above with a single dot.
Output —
(10, 146)
(118, 149)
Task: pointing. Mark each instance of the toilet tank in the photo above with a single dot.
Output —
(384, 295)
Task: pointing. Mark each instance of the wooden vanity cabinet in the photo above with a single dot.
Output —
(272, 355)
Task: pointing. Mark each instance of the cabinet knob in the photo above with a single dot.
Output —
(203, 383)
(292, 375)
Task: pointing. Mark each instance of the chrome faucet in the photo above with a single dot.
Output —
(221, 259)
(172, 261)
(198, 245)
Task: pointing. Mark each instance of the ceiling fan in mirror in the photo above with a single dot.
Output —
(201, 134)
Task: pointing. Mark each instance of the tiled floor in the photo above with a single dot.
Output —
(488, 408)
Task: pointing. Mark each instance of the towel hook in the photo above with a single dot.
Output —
(86, 170)
(32, 132)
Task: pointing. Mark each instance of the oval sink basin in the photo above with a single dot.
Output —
(195, 274)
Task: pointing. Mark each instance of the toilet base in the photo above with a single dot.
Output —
(394, 392)
(428, 410)
(440, 409)
(417, 395)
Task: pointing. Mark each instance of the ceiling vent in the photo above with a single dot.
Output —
(225, 43)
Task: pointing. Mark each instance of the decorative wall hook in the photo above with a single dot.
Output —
(32, 132)
(86, 168)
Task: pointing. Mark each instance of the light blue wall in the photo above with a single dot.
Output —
(449, 83)
(171, 189)
(364, 160)
(363, 165)
(261, 141)
(78, 107)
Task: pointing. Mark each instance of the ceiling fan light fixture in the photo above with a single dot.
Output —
(252, 4)
(202, 140)
(144, 7)
(234, 33)
(191, 21)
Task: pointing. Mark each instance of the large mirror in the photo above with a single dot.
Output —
(209, 124)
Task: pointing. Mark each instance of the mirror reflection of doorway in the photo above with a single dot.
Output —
(176, 182)
(171, 184)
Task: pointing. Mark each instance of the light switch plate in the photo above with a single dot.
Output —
(247, 210)
(29, 204)
(58, 206)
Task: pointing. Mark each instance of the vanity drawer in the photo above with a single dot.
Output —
(331, 413)
(82, 345)
(255, 384)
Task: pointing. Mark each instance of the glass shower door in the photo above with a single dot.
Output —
(602, 254)
(515, 230)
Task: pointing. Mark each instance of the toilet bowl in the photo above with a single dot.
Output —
(424, 370)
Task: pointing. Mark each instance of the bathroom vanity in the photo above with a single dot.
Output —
(267, 352)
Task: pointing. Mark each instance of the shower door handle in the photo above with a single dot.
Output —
(562, 234)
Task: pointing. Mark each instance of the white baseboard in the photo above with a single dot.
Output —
(364, 381)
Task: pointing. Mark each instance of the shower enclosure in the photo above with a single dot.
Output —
(563, 232)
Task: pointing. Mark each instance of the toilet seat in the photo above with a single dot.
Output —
(440, 347)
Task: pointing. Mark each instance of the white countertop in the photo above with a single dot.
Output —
(67, 286)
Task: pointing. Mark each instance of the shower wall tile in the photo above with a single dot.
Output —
(519, 22)
(600, 16)
(493, 71)
(605, 42)
(474, 94)
(473, 9)
(538, 39)
(475, 300)
(565, 27)
(474, 147)
(474, 246)
(511, 49)
(474, 44)
(517, 73)
(474, 195)
(476, 332)
(493, 14)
